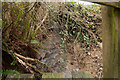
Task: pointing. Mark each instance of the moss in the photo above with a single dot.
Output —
(115, 42)
(53, 75)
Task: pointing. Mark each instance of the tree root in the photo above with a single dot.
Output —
(34, 69)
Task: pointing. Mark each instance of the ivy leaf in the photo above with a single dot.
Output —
(99, 35)
(13, 63)
(35, 42)
(11, 51)
(93, 27)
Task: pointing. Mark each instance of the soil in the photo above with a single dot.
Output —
(72, 61)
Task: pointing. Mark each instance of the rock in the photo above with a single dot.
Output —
(53, 75)
(20, 76)
(85, 74)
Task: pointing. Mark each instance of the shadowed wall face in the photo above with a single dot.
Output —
(111, 41)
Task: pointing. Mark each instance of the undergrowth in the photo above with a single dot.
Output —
(26, 25)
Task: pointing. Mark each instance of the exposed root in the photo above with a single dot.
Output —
(32, 68)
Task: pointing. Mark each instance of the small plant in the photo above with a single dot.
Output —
(6, 72)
